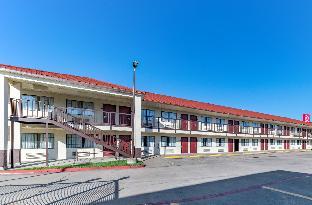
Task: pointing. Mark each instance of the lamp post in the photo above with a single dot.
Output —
(135, 64)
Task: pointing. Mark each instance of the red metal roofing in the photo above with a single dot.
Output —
(157, 98)
(72, 78)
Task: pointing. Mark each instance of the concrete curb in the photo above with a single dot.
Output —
(231, 154)
(73, 169)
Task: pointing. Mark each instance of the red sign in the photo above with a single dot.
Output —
(306, 117)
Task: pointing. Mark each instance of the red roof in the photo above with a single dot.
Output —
(157, 98)
(72, 78)
(152, 97)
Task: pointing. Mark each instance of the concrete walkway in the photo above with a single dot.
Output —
(263, 179)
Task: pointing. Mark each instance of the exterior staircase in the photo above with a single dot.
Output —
(73, 124)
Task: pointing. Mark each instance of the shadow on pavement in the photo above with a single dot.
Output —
(250, 189)
(92, 191)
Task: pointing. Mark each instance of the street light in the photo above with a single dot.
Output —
(135, 64)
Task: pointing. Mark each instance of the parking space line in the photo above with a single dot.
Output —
(288, 193)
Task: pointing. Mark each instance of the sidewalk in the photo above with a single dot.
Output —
(230, 154)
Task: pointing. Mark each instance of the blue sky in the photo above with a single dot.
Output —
(254, 55)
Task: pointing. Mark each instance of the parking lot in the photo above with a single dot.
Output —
(273, 178)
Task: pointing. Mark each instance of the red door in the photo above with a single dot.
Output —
(285, 144)
(264, 129)
(194, 124)
(262, 144)
(304, 144)
(184, 145)
(230, 145)
(266, 144)
(231, 126)
(109, 114)
(193, 146)
(110, 140)
(184, 121)
(236, 127)
(125, 143)
(288, 144)
(124, 116)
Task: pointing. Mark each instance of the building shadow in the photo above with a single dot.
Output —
(63, 191)
(250, 190)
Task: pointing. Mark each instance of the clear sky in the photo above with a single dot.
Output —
(254, 55)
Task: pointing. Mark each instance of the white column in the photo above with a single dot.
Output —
(4, 99)
(61, 145)
(137, 122)
(15, 92)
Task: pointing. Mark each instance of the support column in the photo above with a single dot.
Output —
(137, 125)
(4, 100)
(15, 92)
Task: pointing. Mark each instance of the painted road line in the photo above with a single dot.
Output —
(288, 193)
(215, 155)
(232, 154)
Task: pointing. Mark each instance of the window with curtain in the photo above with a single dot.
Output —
(75, 141)
(168, 116)
(33, 102)
(148, 141)
(255, 142)
(206, 142)
(36, 141)
(245, 142)
(75, 107)
(42, 141)
(148, 117)
(220, 142)
(168, 141)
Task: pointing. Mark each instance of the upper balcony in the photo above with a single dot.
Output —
(119, 121)
(159, 124)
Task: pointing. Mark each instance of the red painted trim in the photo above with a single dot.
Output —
(74, 169)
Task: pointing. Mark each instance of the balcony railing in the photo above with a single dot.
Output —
(37, 109)
(188, 125)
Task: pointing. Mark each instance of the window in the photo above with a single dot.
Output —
(168, 141)
(220, 124)
(255, 142)
(220, 121)
(272, 142)
(220, 142)
(298, 142)
(279, 142)
(36, 141)
(206, 142)
(293, 142)
(207, 120)
(148, 141)
(74, 141)
(245, 142)
(148, 117)
(168, 116)
(245, 124)
(33, 102)
(256, 125)
(75, 107)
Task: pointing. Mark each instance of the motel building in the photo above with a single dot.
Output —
(61, 116)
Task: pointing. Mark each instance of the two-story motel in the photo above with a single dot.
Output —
(79, 116)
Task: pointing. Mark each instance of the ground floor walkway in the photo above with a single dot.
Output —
(272, 178)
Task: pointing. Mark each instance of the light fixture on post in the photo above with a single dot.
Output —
(135, 64)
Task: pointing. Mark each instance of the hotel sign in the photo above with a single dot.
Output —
(306, 117)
